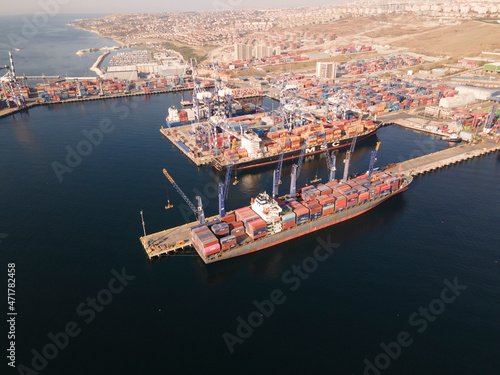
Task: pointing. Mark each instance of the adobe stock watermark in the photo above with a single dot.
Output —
(31, 25)
(292, 279)
(423, 147)
(419, 320)
(87, 311)
(92, 138)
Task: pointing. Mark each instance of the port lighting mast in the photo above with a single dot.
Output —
(373, 159)
(223, 190)
(198, 212)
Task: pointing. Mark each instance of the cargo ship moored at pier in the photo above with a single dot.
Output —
(220, 162)
(268, 222)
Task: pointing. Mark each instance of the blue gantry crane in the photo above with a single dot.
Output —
(277, 174)
(296, 171)
(489, 124)
(347, 160)
(223, 190)
(331, 163)
(198, 212)
(373, 158)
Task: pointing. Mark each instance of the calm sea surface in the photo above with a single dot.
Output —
(385, 281)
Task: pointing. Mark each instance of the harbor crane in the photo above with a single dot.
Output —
(277, 174)
(11, 84)
(296, 172)
(330, 163)
(223, 190)
(347, 160)
(489, 123)
(198, 212)
(373, 159)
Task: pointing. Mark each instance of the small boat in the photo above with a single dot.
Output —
(186, 103)
(452, 138)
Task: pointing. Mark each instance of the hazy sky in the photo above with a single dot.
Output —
(141, 6)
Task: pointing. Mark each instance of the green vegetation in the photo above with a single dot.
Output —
(189, 52)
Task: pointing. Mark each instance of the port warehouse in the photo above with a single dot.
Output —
(314, 202)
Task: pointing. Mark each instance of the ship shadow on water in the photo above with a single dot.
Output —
(272, 262)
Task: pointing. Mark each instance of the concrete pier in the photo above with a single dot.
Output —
(444, 158)
(95, 68)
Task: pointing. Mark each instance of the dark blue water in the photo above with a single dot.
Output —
(48, 46)
(67, 237)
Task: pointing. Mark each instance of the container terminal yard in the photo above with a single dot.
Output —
(306, 119)
(326, 114)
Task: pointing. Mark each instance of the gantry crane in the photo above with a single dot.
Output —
(277, 174)
(373, 159)
(223, 190)
(296, 171)
(330, 163)
(347, 160)
(198, 212)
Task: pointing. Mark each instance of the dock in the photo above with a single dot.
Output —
(179, 137)
(35, 102)
(168, 241)
(444, 158)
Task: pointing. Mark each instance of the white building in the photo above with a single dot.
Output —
(243, 51)
(326, 69)
(264, 51)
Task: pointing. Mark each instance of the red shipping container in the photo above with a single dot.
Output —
(340, 201)
(328, 211)
(343, 187)
(235, 225)
(229, 218)
(310, 203)
(256, 223)
(364, 196)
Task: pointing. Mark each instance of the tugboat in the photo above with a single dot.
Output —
(452, 138)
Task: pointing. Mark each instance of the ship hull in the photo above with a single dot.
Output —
(294, 154)
(250, 246)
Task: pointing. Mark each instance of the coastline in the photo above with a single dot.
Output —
(117, 41)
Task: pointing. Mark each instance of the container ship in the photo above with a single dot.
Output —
(270, 221)
(256, 151)
(186, 116)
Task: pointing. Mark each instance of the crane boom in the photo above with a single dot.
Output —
(301, 159)
(198, 212)
(223, 190)
(373, 159)
(348, 155)
(277, 174)
(330, 164)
